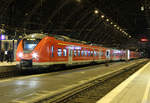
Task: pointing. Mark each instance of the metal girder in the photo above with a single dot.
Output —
(34, 9)
(82, 19)
(5, 5)
(76, 10)
(93, 29)
(55, 12)
(87, 24)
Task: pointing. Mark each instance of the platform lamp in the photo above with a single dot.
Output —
(2, 32)
(2, 36)
(14, 44)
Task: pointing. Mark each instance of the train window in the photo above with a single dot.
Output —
(89, 53)
(78, 52)
(94, 53)
(107, 53)
(52, 51)
(30, 44)
(59, 52)
(85, 53)
(65, 52)
(97, 54)
(82, 53)
(75, 53)
(102, 53)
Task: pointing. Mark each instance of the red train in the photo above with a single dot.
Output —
(38, 50)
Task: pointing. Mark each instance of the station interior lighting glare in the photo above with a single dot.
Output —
(142, 8)
(32, 36)
(96, 11)
(35, 55)
(102, 16)
(144, 39)
(20, 54)
(126, 34)
(115, 25)
(2, 37)
(78, 0)
(107, 20)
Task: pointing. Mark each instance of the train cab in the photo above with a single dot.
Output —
(28, 50)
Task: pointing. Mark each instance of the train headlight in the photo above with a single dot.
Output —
(34, 55)
(20, 54)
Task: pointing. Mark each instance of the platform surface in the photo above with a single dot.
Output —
(35, 87)
(7, 67)
(7, 63)
(135, 89)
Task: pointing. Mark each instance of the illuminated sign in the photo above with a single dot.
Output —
(116, 51)
(2, 37)
(74, 47)
(144, 40)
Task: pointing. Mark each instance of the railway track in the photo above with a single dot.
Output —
(93, 90)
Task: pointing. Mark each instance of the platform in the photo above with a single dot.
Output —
(7, 64)
(33, 88)
(135, 89)
(7, 67)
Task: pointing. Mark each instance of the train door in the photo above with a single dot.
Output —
(51, 53)
(53, 50)
(100, 54)
(70, 56)
(108, 54)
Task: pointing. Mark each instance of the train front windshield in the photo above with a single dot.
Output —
(29, 44)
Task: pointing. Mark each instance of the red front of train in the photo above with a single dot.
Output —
(33, 50)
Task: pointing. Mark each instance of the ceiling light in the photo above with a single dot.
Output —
(107, 20)
(142, 8)
(102, 16)
(96, 11)
(115, 25)
(78, 1)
